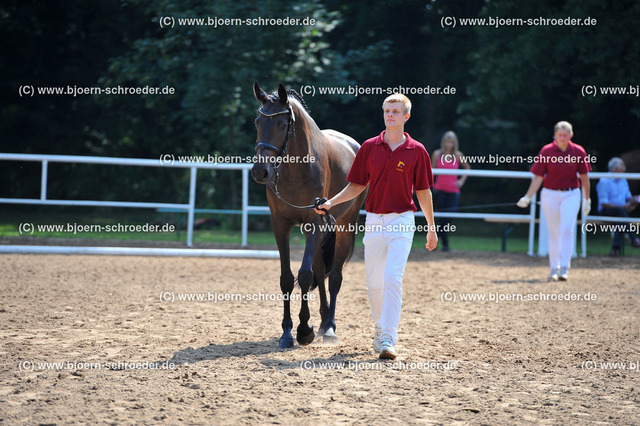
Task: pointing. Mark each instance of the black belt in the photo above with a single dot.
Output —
(563, 189)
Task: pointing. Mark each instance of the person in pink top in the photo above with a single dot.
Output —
(558, 166)
(447, 187)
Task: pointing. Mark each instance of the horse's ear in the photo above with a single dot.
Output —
(282, 94)
(260, 94)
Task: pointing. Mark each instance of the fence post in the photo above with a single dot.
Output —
(192, 205)
(245, 205)
(43, 180)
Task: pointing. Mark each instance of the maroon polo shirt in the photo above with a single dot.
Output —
(392, 176)
(560, 168)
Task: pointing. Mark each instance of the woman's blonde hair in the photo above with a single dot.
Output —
(450, 135)
(563, 125)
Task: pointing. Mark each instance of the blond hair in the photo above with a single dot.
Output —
(449, 135)
(563, 125)
(399, 97)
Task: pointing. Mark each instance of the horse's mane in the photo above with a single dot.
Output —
(295, 95)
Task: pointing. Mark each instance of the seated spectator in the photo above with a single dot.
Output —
(615, 199)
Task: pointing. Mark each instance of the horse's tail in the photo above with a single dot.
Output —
(328, 249)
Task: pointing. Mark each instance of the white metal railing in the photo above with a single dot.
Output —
(248, 209)
(189, 207)
(531, 215)
(588, 218)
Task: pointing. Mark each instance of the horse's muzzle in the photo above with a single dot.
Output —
(260, 173)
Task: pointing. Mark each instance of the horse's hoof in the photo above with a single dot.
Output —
(286, 342)
(305, 337)
(321, 331)
(330, 337)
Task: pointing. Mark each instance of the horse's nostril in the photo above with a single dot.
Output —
(259, 174)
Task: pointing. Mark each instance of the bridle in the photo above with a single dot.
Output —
(290, 132)
(291, 129)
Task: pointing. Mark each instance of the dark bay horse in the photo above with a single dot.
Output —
(299, 162)
(632, 162)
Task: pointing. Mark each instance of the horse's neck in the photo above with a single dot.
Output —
(306, 131)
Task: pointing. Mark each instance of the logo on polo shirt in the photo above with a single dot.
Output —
(400, 166)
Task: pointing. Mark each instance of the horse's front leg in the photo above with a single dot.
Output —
(305, 333)
(281, 232)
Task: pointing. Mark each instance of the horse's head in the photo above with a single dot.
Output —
(274, 125)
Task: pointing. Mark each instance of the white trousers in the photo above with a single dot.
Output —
(387, 243)
(561, 210)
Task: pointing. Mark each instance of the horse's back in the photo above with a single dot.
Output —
(340, 138)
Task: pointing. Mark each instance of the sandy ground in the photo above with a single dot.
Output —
(80, 333)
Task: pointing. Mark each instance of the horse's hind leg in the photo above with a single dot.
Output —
(305, 334)
(318, 279)
(343, 249)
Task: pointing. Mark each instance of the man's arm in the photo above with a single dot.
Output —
(586, 191)
(534, 186)
(426, 205)
(586, 185)
(536, 182)
(351, 191)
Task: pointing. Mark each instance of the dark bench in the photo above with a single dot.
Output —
(182, 219)
(510, 224)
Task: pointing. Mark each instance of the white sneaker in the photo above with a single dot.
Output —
(553, 276)
(376, 340)
(564, 274)
(387, 351)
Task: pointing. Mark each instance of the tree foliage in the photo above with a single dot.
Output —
(512, 83)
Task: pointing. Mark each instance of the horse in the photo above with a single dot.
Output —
(632, 162)
(299, 163)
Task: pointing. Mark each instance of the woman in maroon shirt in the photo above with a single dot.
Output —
(557, 166)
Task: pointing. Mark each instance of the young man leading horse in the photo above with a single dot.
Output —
(392, 165)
